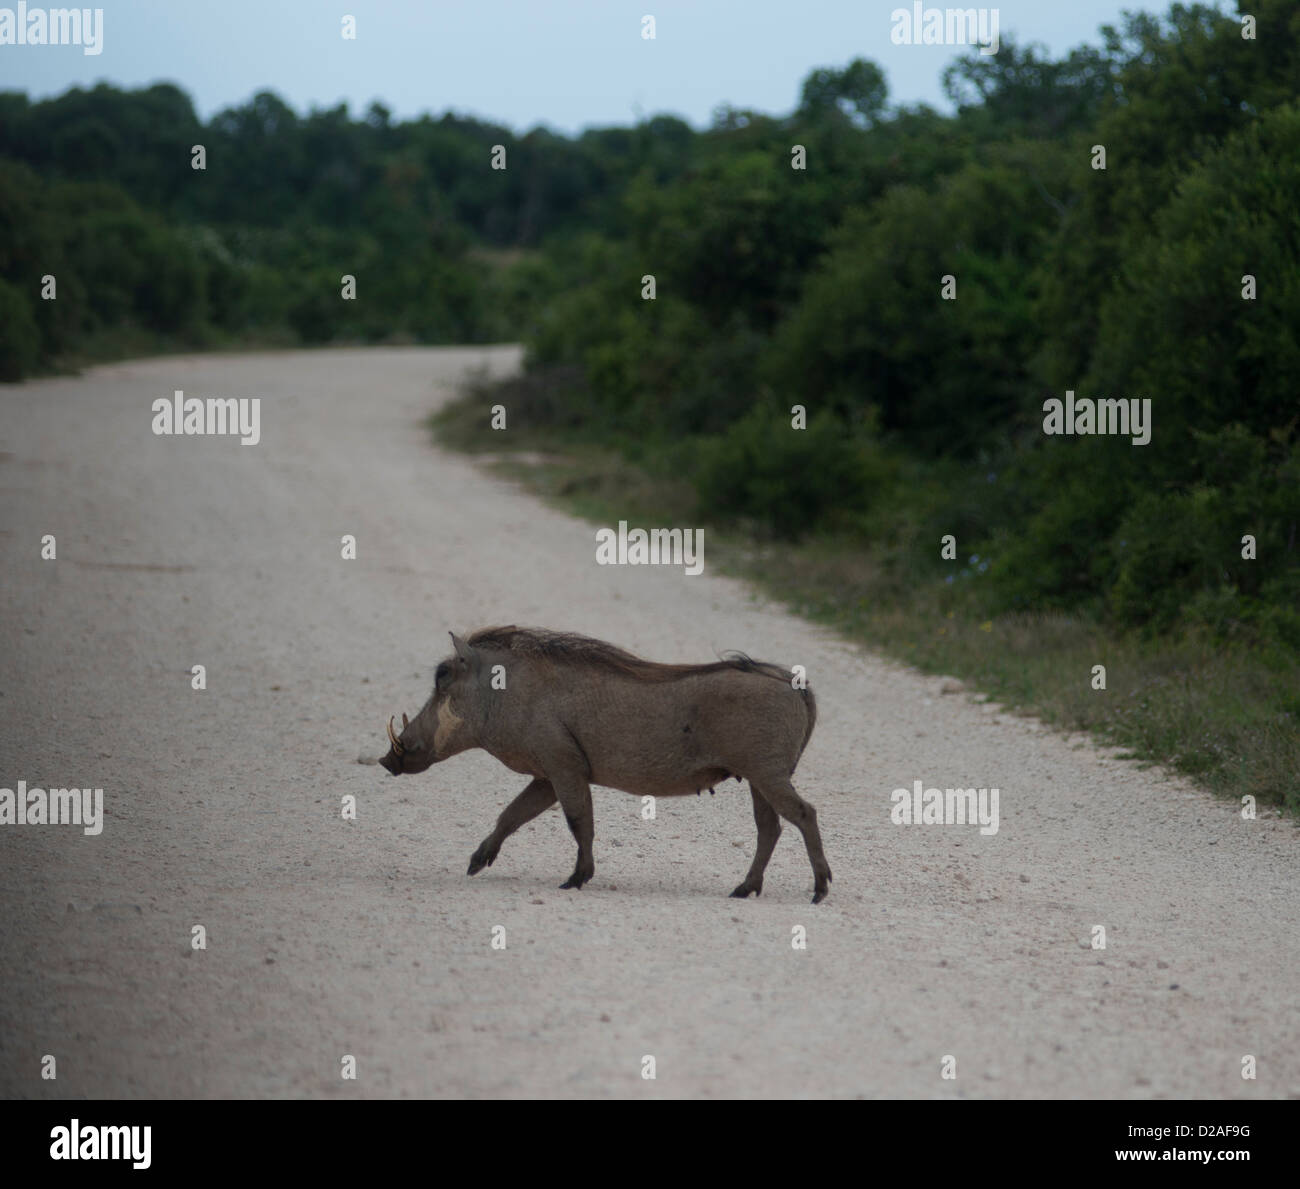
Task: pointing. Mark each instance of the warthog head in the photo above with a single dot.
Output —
(440, 730)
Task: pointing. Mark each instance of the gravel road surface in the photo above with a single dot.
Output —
(328, 937)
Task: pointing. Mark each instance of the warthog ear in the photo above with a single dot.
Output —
(463, 650)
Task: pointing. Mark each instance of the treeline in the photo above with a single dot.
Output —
(98, 190)
(1170, 275)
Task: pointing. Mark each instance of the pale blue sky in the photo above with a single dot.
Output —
(564, 63)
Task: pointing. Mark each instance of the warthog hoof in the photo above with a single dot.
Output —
(483, 857)
(820, 887)
(744, 890)
(578, 878)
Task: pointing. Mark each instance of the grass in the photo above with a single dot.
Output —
(116, 344)
(1228, 717)
(129, 342)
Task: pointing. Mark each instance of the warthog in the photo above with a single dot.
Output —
(570, 712)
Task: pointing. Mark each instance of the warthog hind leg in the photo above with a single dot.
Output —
(538, 797)
(769, 830)
(780, 794)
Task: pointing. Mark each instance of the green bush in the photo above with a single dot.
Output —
(20, 339)
(1170, 548)
(791, 481)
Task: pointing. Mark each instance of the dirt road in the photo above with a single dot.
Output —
(327, 937)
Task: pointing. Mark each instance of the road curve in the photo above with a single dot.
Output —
(328, 938)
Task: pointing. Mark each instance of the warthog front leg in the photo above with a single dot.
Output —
(780, 794)
(769, 830)
(538, 797)
(575, 799)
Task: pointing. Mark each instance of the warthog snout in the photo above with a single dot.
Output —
(405, 755)
(392, 762)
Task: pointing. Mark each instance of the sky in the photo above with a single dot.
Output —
(567, 64)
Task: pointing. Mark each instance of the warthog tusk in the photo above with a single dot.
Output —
(405, 722)
(393, 739)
